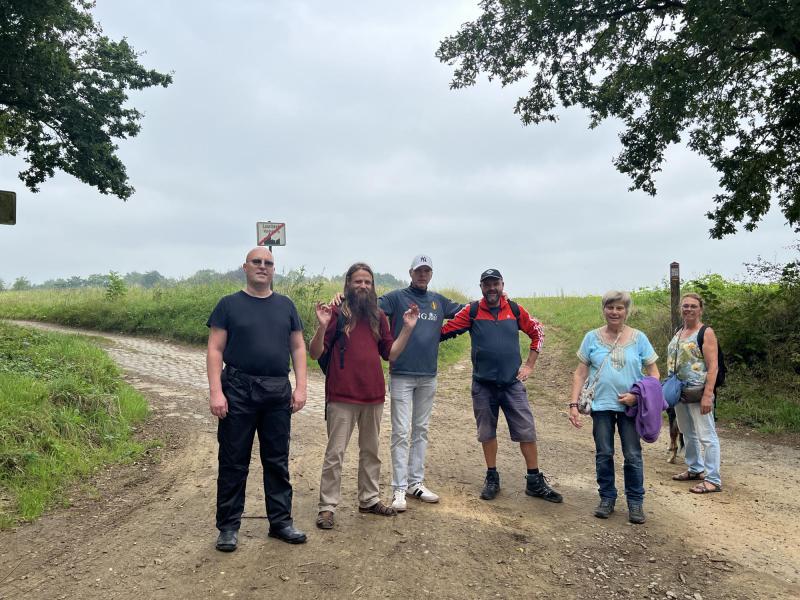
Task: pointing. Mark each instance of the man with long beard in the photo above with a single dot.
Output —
(355, 388)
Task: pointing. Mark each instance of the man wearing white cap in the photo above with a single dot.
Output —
(413, 379)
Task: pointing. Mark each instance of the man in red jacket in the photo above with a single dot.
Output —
(497, 379)
(355, 388)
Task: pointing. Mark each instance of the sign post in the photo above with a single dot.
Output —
(270, 234)
(8, 208)
(675, 294)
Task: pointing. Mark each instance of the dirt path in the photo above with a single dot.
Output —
(146, 530)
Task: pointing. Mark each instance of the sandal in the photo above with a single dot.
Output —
(702, 488)
(325, 519)
(689, 476)
(379, 508)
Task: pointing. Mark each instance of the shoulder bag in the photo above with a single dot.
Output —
(672, 386)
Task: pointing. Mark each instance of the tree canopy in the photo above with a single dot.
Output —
(63, 93)
(723, 76)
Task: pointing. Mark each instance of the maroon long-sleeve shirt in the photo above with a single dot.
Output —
(361, 380)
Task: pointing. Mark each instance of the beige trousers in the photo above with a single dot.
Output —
(342, 418)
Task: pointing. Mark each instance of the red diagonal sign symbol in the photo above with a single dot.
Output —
(262, 241)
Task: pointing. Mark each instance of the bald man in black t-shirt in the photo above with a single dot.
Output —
(254, 332)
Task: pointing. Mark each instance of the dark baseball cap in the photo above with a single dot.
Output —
(491, 274)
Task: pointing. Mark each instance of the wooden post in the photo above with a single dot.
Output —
(675, 294)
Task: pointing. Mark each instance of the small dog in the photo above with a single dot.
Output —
(674, 436)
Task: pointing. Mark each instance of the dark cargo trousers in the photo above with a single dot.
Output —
(263, 405)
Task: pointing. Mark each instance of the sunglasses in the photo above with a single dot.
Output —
(689, 306)
(259, 262)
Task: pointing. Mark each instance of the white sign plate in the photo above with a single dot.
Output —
(270, 234)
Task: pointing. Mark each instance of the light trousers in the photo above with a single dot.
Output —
(412, 403)
(342, 419)
(699, 431)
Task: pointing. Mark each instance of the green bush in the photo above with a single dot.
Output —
(115, 288)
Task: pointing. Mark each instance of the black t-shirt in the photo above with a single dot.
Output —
(258, 332)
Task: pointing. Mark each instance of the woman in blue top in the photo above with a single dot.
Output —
(615, 355)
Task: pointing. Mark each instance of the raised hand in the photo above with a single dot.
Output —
(411, 316)
(324, 313)
(337, 299)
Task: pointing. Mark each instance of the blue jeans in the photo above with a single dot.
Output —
(699, 431)
(603, 422)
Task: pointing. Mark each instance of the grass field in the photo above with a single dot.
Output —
(63, 412)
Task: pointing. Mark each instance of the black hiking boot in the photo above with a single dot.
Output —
(491, 485)
(537, 486)
(636, 514)
(605, 508)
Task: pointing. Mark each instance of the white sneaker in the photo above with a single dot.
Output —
(420, 492)
(399, 500)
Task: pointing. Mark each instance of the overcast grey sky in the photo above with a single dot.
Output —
(336, 118)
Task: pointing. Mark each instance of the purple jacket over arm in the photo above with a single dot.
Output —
(649, 408)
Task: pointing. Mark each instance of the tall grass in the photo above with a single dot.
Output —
(63, 412)
(178, 313)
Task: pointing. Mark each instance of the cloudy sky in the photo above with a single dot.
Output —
(337, 119)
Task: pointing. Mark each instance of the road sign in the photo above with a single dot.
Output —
(271, 234)
(8, 208)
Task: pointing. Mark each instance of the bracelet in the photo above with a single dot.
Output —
(573, 405)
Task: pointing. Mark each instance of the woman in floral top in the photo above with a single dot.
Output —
(698, 371)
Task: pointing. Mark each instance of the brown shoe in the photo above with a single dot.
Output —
(379, 508)
(325, 519)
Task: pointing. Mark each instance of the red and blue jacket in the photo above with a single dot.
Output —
(495, 340)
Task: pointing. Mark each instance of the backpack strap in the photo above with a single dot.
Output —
(700, 335)
(473, 311)
(337, 335)
(342, 346)
(514, 309)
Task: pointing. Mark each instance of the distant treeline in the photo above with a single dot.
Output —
(153, 279)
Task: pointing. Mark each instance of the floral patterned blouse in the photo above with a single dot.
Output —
(691, 366)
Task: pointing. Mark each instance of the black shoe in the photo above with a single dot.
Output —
(288, 534)
(537, 486)
(491, 485)
(605, 508)
(227, 540)
(636, 514)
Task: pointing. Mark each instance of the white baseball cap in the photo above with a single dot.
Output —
(421, 260)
